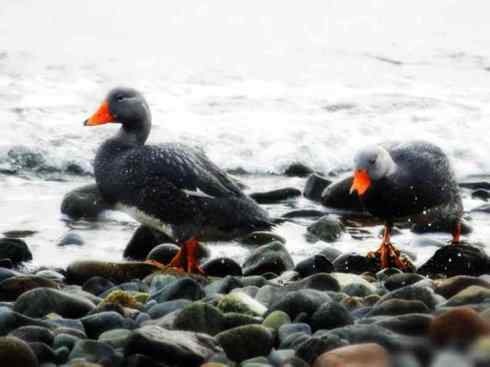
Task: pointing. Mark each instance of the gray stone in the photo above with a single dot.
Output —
(303, 301)
(172, 347)
(246, 342)
(100, 322)
(201, 318)
(15, 352)
(327, 228)
(314, 186)
(84, 202)
(331, 315)
(14, 249)
(41, 301)
(272, 257)
(184, 288)
(95, 352)
(161, 309)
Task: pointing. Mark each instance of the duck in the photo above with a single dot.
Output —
(173, 188)
(406, 181)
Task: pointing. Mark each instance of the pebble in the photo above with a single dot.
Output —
(173, 347)
(310, 349)
(355, 264)
(222, 267)
(474, 294)
(313, 265)
(184, 288)
(84, 202)
(396, 306)
(276, 196)
(98, 323)
(330, 315)
(97, 285)
(401, 280)
(14, 249)
(34, 333)
(458, 326)
(314, 186)
(328, 228)
(12, 288)
(296, 302)
(241, 303)
(413, 293)
(95, 352)
(42, 301)
(71, 238)
(358, 355)
(272, 257)
(246, 342)
(201, 318)
(144, 239)
(161, 309)
(15, 352)
(297, 169)
(276, 319)
(116, 338)
(451, 286)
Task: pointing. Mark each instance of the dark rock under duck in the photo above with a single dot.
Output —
(173, 188)
(407, 181)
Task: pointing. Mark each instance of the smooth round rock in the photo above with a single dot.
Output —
(200, 317)
(12, 288)
(34, 333)
(330, 315)
(97, 285)
(357, 264)
(100, 322)
(71, 238)
(314, 186)
(15, 352)
(14, 249)
(401, 280)
(297, 169)
(276, 319)
(84, 202)
(41, 301)
(358, 355)
(275, 196)
(222, 267)
(313, 265)
(144, 239)
(94, 351)
(117, 338)
(184, 288)
(452, 286)
(272, 257)
(297, 302)
(327, 228)
(246, 342)
(394, 307)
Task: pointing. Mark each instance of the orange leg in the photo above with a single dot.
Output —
(186, 258)
(457, 234)
(388, 254)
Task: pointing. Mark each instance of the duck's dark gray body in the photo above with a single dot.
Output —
(423, 187)
(176, 189)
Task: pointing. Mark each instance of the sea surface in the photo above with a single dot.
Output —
(257, 84)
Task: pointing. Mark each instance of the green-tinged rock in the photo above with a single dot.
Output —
(172, 347)
(327, 228)
(14, 352)
(246, 342)
(473, 294)
(242, 303)
(117, 338)
(12, 288)
(40, 302)
(276, 319)
(200, 317)
(272, 257)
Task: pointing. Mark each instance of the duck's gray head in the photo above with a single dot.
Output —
(370, 164)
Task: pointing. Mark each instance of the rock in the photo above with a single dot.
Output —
(330, 315)
(471, 295)
(276, 319)
(297, 169)
(7, 273)
(331, 253)
(275, 196)
(281, 356)
(451, 358)
(140, 360)
(356, 264)
(84, 202)
(184, 288)
(41, 301)
(15, 352)
(456, 260)
(71, 238)
(201, 318)
(327, 228)
(303, 301)
(242, 303)
(475, 185)
(45, 354)
(161, 309)
(337, 195)
(458, 326)
(246, 342)
(95, 352)
(395, 306)
(12, 288)
(481, 194)
(260, 238)
(309, 349)
(319, 282)
(65, 340)
(313, 265)
(222, 267)
(413, 324)
(97, 285)
(53, 275)
(314, 186)
(33, 333)
(480, 351)
(347, 280)
(223, 286)
(11, 320)
(14, 249)
(358, 290)
(172, 347)
(358, 355)
(272, 257)
(303, 213)
(401, 280)
(485, 208)
(79, 272)
(143, 241)
(285, 331)
(165, 252)
(413, 293)
(116, 338)
(100, 322)
(451, 286)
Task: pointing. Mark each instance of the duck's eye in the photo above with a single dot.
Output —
(372, 161)
(119, 98)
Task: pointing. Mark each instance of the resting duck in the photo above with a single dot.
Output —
(173, 188)
(406, 181)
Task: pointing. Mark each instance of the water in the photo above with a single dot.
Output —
(257, 85)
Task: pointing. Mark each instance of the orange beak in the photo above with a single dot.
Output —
(102, 116)
(361, 182)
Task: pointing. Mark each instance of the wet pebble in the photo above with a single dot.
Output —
(15, 352)
(144, 239)
(272, 257)
(314, 186)
(297, 169)
(313, 265)
(327, 228)
(246, 342)
(71, 238)
(14, 249)
(276, 196)
(222, 267)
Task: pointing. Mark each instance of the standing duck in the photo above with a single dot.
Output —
(171, 187)
(406, 181)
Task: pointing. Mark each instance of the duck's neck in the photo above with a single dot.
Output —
(134, 133)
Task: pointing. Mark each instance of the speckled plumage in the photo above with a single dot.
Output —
(423, 185)
(171, 187)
